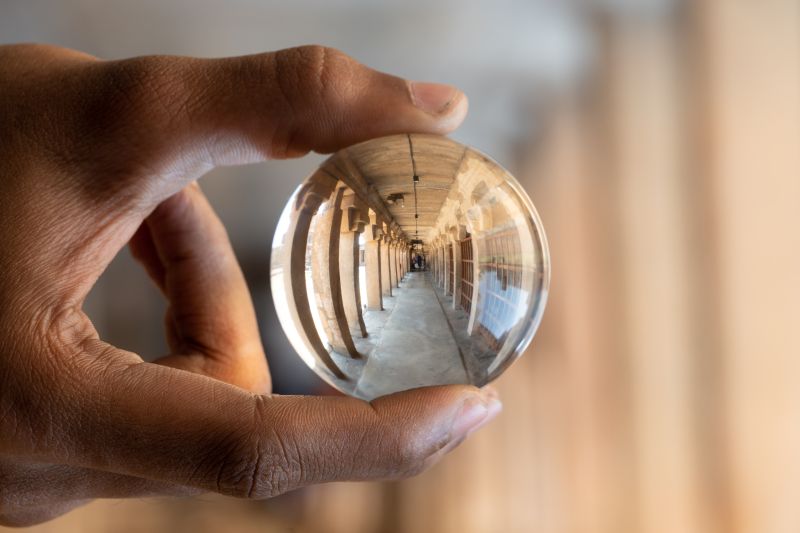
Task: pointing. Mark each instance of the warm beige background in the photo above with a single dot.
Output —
(661, 142)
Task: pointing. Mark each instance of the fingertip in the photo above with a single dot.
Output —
(490, 392)
(454, 115)
(475, 412)
(458, 410)
(446, 104)
(433, 98)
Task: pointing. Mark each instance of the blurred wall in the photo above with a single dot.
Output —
(661, 143)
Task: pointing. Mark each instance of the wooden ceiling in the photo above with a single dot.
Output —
(386, 164)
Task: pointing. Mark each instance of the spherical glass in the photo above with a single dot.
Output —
(407, 261)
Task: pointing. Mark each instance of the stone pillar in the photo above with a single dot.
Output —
(435, 262)
(395, 262)
(386, 270)
(307, 201)
(442, 264)
(392, 269)
(401, 270)
(458, 233)
(477, 296)
(402, 259)
(393, 256)
(325, 274)
(443, 258)
(354, 218)
(439, 265)
(372, 260)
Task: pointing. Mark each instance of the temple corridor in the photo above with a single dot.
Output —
(404, 263)
(417, 327)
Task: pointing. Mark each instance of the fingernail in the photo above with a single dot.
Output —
(473, 415)
(433, 98)
(469, 418)
(490, 392)
(495, 408)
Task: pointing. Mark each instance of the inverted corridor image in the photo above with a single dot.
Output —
(408, 261)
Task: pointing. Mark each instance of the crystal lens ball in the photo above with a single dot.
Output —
(408, 261)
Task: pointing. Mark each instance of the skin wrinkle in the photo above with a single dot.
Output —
(195, 476)
(283, 92)
(279, 465)
(251, 136)
(257, 443)
(32, 98)
(273, 476)
(321, 71)
(35, 409)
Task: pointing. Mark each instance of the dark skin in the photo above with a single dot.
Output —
(95, 155)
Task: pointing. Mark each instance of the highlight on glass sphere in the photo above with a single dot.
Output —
(408, 261)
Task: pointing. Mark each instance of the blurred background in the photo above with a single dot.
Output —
(660, 141)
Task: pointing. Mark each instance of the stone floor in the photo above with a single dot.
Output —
(418, 339)
(415, 347)
(475, 352)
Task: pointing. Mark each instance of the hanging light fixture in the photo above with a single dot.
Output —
(415, 180)
(396, 199)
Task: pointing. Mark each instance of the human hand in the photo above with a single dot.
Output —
(94, 154)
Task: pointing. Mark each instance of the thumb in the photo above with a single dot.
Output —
(271, 105)
(136, 131)
(164, 424)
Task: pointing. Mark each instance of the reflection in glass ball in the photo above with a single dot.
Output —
(408, 261)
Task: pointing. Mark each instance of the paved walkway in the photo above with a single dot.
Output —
(416, 347)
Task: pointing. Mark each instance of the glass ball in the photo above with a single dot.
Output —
(408, 261)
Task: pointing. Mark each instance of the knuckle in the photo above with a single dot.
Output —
(311, 83)
(409, 458)
(389, 454)
(263, 465)
(128, 107)
(140, 85)
(41, 87)
(316, 72)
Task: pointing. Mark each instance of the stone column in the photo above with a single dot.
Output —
(435, 262)
(439, 265)
(402, 271)
(325, 274)
(402, 259)
(386, 270)
(372, 259)
(307, 201)
(354, 218)
(445, 264)
(395, 262)
(477, 295)
(458, 233)
(394, 254)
